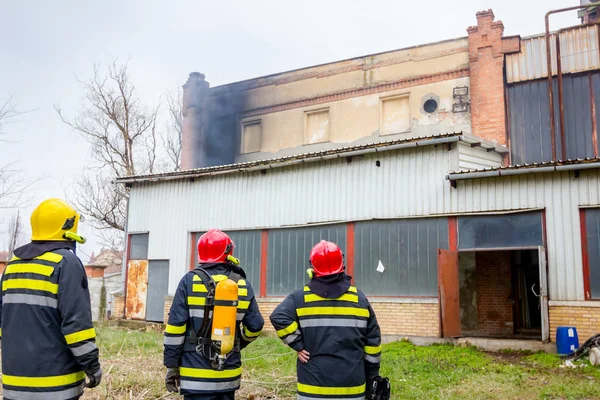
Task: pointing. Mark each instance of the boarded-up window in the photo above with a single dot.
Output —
(395, 115)
(139, 247)
(251, 136)
(316, 127)
(289, 250)
(399, 257)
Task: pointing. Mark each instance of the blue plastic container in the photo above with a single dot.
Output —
(566, 339)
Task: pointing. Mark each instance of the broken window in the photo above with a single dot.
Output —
(316, 127)
(395, 115)
(592, 225)
(251, 137)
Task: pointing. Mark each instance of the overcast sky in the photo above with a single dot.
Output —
(44, 44)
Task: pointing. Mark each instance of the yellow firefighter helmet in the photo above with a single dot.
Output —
(54, 220)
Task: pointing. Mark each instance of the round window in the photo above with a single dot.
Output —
(430, 106)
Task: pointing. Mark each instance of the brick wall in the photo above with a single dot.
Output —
(486, 63)
(585, 319)
(118, 306)
(168, 302)
(494, 305)
(410, 319)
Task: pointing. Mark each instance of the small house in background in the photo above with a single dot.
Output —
(105, 280)
(4, 258)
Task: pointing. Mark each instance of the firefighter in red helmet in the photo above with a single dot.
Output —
(214, 315)
(332, 326)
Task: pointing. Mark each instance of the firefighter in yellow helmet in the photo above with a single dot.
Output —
(48, 340)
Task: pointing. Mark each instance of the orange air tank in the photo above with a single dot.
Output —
(224, 316)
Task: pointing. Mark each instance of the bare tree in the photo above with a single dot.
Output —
(12, 183)
(122, 133)
(15, 233)
(172, 139)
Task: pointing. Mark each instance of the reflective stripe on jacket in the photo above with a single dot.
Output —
(187, 314)
(48, 339)
(342, 336)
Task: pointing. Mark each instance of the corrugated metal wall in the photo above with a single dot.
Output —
(287, 261)
(529, 119)
(407, 249)
(474, 158)
(578, 49)
(408, 183)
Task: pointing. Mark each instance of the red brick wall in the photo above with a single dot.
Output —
(486, 62)
(494, 292)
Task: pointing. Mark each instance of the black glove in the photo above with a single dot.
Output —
(94, 379)
(172, 380)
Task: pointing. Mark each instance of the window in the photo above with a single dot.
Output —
(289, 250)
(591, 246)
(251, 137)
(496, 231)
(407, 249)
(138, 249)
(395, 115)
(316, 126)
(247, 250)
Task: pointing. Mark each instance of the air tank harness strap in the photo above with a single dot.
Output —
(192, 342)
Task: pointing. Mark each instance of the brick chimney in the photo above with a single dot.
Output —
(487, 48)
(193, 98)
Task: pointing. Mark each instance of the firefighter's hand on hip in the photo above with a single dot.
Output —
(172, 380)
(303, 356)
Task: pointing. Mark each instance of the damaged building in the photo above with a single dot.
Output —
(460, 178)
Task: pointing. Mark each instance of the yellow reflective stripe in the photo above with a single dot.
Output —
(14, 258)
(310, 389)
(0, 332)
(352, 289)
(358, 312)
(196, 301)
(52, 257)
(43, 381)
(243, 305)
(242, 292)
(80, 336)
(175, 330)
(199, 287)
(306, 289)
(29, 269)
(373, 349)
(209, 373)
(352, 298)
(32, 284)
(196, 278)
(286, 331)
(219, 278)
(242, 282)
(251, 334)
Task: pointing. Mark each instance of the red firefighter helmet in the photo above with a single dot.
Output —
(326, 258)
(214, 247)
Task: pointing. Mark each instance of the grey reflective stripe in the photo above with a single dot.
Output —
(240, 316)
(83, 349)
(60, 395)
(290, 338)
(372, 359)
(301, 397)
(314, 322)
(210, 386)
(31, 299)
(197, 312)
(174, 340)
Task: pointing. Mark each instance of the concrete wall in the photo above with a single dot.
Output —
(100, 294)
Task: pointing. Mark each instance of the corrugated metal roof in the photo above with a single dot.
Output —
(542, 167)
(316, 156)
(578, 52)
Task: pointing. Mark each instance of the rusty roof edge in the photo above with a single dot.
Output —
(544, 167)
(257, 165)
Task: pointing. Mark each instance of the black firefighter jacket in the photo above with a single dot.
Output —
(335, 323)
(48, 340)
(187, 314)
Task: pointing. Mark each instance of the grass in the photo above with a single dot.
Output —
(132, 363)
